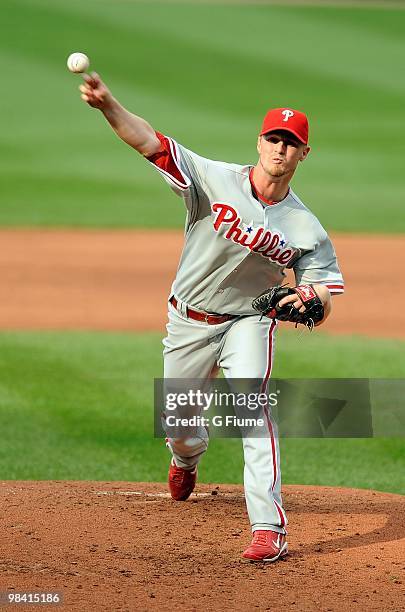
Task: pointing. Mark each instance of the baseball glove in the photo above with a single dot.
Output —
(267, 304)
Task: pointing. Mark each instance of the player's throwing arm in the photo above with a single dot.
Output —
(132, 129)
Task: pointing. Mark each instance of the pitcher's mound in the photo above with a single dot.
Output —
(128, 546)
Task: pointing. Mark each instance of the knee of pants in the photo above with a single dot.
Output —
(188, 447)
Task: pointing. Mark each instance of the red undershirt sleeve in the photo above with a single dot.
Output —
(165, 159)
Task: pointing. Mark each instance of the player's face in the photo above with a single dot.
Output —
(280, 153)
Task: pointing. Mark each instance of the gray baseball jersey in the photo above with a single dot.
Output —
(236, 246)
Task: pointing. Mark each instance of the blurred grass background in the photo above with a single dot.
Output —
(204, 74)
(77, 405)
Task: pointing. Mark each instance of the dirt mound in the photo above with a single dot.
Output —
(120, 280)
(128, 546)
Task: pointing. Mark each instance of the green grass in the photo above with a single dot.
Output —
(206, 81)
(79, 406)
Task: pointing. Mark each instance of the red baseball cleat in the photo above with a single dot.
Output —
(266, 546)
(181, 482)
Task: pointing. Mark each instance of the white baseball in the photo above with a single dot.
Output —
(78, 62)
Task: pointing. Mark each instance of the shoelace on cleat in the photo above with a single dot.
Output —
(180, 474)
(260, 538)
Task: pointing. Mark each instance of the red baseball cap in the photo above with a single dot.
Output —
(286, 119)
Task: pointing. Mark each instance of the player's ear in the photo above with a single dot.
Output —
(259, 144)
(305, 153)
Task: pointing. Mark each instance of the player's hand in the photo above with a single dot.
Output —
(95, 92)
(294, 300)
(323, 294)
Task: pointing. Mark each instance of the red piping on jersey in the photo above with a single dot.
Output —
(259, 196)
(165, 160)
(336, 289)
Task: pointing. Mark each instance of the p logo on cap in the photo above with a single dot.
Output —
(286, 119)
(287, 114)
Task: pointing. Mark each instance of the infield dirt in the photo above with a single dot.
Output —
(120, 280)
(127, 546)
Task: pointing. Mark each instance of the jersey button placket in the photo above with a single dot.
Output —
(266, 214)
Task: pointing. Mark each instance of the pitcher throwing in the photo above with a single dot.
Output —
(244, 227)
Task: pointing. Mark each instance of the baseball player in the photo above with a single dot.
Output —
(244, 227)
